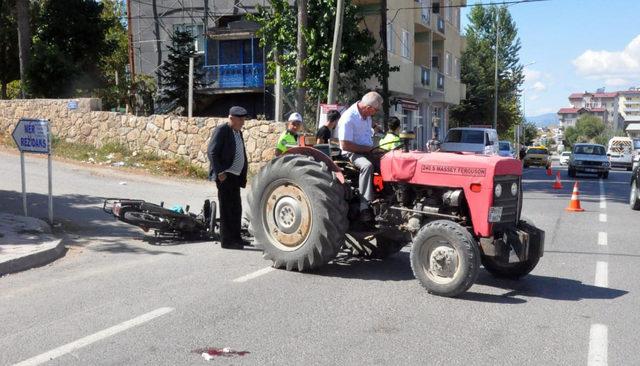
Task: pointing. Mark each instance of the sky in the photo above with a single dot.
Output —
(575, 46)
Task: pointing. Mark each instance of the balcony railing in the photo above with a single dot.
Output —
(234, 76)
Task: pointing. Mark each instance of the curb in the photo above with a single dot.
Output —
(54, 251)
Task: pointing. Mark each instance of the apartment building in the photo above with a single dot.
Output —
(424, 42)
(616, 109)
(231, 58)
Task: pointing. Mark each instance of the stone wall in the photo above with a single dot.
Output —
(167, 136)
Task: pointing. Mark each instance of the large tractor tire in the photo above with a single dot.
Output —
(512, 271)
(377, 246)
(298, 213)
(445, 258)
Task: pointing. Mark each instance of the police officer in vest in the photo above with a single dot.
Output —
(391, 140)
(289, 138)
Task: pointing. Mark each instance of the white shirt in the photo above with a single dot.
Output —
(355, 128)
(238, 159)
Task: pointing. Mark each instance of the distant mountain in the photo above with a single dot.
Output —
(544, 120)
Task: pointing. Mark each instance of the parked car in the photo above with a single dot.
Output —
(537, 156)
(471, 139)
(636, 153)
(620, 152)
(505, 149)
(634, 195)
(589, 158)
(564, 157)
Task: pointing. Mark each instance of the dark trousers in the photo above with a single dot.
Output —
(230, 205)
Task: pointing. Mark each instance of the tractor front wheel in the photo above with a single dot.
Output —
(298, 213)
(445, 258)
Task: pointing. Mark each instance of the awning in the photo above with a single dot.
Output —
(409, 104)
(633, 127)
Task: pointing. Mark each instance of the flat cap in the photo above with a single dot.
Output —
(237, 111)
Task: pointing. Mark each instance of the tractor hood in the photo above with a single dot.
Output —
(446, 169)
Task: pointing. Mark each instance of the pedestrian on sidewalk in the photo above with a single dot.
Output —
(228, 168)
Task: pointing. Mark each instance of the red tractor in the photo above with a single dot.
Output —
(457, 210)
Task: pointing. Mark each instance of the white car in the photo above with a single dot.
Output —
(471, 139)
(564, 157)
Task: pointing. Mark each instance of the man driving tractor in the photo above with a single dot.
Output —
(354, 133)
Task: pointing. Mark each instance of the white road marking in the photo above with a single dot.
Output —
(255, 274)
(602, 238)
(82, 342)
(602, 274)
(603, 202)
(603, 196)
(598, 345)
(603, 217)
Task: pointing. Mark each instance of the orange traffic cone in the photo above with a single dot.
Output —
(558, 183)
(549, 172)
(574, 205)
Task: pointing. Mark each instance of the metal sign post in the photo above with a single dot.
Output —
(34, 136)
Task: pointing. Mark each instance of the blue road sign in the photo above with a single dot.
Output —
(32, 135)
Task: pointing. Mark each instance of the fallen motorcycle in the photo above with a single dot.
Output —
(177, 223)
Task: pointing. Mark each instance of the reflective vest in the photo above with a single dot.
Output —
(390, 141)
(287, 140)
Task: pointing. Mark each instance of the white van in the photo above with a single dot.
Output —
(620, 152)
(471, 139)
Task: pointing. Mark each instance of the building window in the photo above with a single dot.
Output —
(447, 10)
(390, 38)
(457, 68)
(197, 32)
(447, 66)
(425, 10)
(406, 44)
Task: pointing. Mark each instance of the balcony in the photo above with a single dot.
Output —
(234, 76)
(423, 14)
(632, 110)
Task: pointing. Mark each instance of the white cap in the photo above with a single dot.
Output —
(295, 116)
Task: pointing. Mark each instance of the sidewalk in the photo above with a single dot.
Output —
(26, 243)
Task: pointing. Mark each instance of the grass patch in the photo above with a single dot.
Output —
(116, 154)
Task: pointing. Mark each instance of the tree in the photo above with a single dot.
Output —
(174, 73)
(588, 128)
(9, 56)
(360, 59)
(24, 39)
(114, 63)
(67, 48)
(478, 65)
(529, 133)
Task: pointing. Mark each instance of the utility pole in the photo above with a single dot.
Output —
(332, 94)
(132, 69)
(278, 87)
(385, 61)
(190, 109)
(495, 99)
(302, 55)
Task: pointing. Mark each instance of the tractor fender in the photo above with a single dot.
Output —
(318, 156)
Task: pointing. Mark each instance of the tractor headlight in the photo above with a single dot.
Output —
(498, 190)
(514, 189)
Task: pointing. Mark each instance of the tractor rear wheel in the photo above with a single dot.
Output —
(445, 258)
(298, 213)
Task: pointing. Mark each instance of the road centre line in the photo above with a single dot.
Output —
(602, 274)
(603, 217)
(602, 238)
(82, 342)
(252, 275)
(598, 344)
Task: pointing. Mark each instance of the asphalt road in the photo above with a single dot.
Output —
(116, 299)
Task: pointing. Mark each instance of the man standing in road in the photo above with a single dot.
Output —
(228, 168)
(354, 133)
